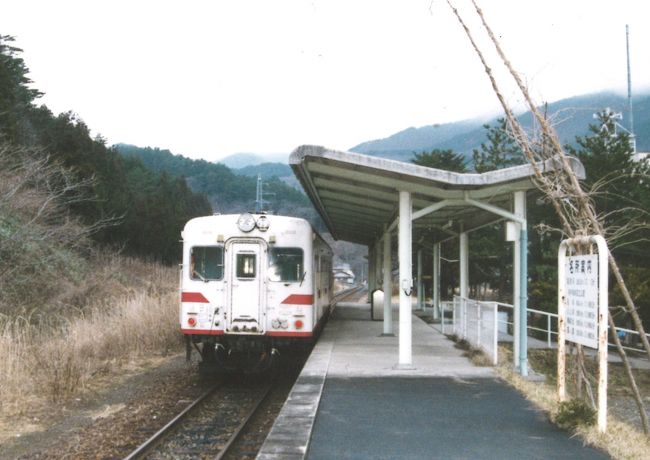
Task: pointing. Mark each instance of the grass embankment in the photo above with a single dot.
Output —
(622, 441)
(125, 309)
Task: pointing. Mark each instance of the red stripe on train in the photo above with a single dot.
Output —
(201, 332)
(299, 299)
(289, 334)
(193, 297)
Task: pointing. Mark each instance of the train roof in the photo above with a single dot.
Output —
(195, 226)
(214, 218)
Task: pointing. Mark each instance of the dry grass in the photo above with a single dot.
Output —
(129, 310)
(622, 440)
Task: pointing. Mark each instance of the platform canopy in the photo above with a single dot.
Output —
(356, 194)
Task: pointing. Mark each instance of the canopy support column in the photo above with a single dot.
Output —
(372, 281)
(464, 265)
(436, 280)
(388, 286)
(520, 286)
(406, 281)
(420, 283)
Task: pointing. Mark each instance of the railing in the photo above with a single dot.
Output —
(473, 321)
(536, 318)
(542, 325)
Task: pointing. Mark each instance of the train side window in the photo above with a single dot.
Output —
(206, 263)
(286, 264)
(245, 265)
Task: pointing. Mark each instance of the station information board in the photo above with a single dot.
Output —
(581, 278)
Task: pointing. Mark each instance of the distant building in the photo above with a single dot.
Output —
(343, 274)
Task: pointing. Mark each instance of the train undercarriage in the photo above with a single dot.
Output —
(242, 353)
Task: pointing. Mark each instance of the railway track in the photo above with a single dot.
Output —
(347, 293)
(209, 426)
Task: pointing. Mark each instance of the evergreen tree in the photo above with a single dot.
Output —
(500, 151)
(620, 188)
(16, 97)
(446, 160)
(614, 178)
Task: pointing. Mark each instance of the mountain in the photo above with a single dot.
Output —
(571, 117)
(280, 170)
(241, 160)
(227, 191)
(268, 170)
(404, 143)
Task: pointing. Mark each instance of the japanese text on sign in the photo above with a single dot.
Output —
(581, 300)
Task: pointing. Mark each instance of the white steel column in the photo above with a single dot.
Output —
(420, 283)
(436, 280)
(372, 282)
(516, 295)
(464, 265)
(388, 286)
(378, 263)
(405, 280)
(520, 287)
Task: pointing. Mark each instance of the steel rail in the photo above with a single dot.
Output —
(153, 440)
(242, 425)
(346, 293)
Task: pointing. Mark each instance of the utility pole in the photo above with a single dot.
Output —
(259, 195)
(629, 90)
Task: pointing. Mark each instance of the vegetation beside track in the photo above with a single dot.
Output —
(624, 439)
(130, 312)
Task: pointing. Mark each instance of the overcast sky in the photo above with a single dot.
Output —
(210, 78)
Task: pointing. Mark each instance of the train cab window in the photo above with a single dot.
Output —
(206, 263)
(245, 265)
(285, 264)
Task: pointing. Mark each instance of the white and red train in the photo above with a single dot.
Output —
(252, 284)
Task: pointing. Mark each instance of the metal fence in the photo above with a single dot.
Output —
(542, 325)
(474, 321)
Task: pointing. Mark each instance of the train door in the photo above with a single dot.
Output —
(245, 299)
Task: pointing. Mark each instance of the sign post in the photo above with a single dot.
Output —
(583, 287)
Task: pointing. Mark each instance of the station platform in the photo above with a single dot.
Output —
(351, 402)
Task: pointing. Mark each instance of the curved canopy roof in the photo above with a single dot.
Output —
(357, 195)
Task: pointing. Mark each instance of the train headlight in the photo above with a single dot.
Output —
(246, 222)
(276, 324)
(263, 223)
(284, 323)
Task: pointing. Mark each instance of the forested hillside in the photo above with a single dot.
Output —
(127, 204)
(228, 192)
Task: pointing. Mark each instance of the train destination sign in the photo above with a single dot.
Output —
(581, 299)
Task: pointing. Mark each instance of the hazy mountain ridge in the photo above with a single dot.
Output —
(265, 169)
(571, 116)
(242, 160)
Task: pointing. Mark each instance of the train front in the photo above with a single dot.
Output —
(247, 288)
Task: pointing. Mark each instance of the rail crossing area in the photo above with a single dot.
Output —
(398, 388)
